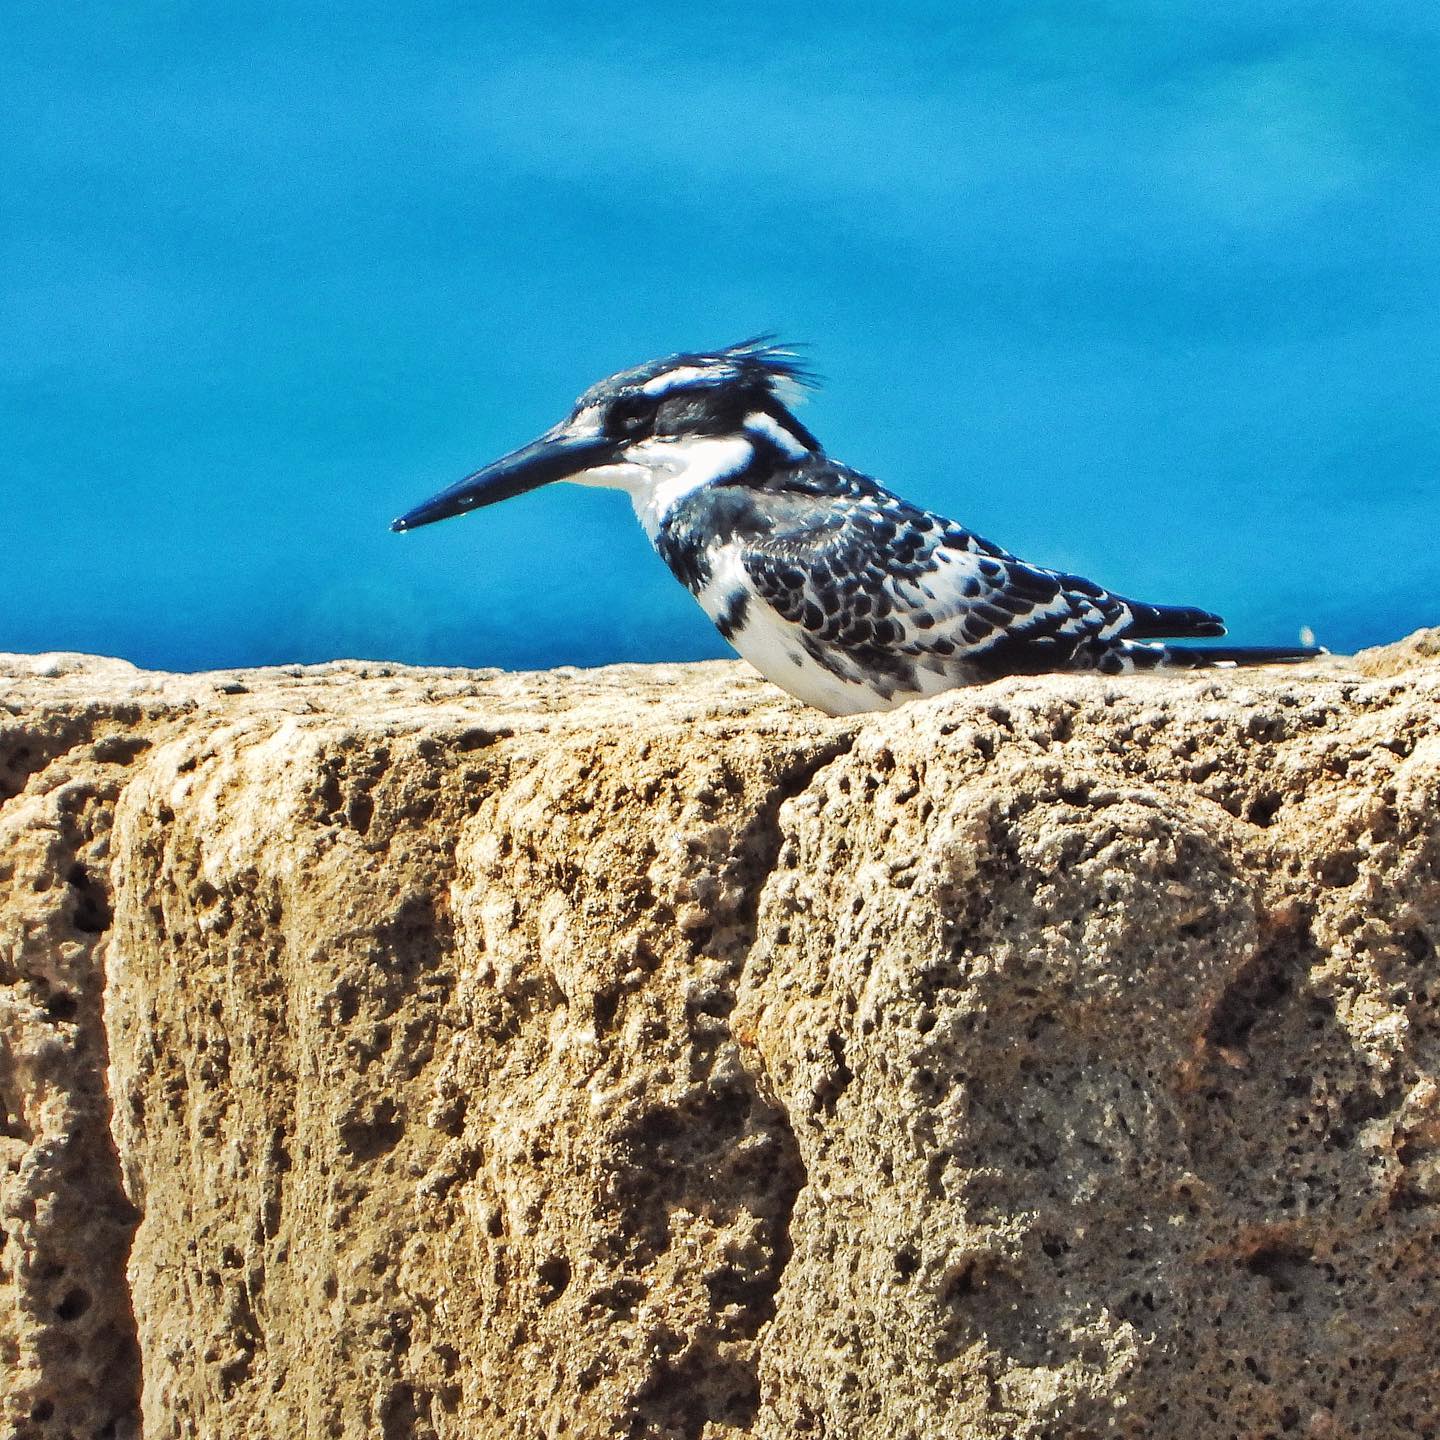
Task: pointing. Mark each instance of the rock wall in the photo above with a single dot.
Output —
(634, 1053)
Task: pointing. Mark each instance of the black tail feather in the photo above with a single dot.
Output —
(1207, 657)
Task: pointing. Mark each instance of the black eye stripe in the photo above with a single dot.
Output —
(630, 414)
(677, 411)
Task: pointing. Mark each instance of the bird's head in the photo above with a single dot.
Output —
(682, 421)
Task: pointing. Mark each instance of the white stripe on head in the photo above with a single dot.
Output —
(758, 423)
(673, 379)
(588, 421)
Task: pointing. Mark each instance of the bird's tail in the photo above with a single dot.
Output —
(1127, 655)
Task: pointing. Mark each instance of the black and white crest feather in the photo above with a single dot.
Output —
(752, 367)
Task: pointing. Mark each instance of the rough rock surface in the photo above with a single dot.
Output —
(636, 1053)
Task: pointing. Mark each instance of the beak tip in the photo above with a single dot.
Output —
(551, 457)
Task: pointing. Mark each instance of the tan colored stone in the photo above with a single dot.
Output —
(634, 1052)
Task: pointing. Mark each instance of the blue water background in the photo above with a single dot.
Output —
(1145, 290)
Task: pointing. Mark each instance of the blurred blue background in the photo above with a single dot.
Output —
(1145, 290)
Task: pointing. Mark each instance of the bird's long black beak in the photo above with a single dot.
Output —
(556, 455)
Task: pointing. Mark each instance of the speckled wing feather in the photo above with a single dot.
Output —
(880, 587)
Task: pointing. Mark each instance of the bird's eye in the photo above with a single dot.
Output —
(630, 417)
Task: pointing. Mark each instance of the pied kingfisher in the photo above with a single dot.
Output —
(845, 595)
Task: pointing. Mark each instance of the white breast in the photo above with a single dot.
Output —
(773, 645)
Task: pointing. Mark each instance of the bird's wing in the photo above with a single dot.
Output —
(868, 574)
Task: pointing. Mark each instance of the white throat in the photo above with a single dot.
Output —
(658, 474)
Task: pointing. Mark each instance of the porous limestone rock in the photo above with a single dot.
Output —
(636, 1053)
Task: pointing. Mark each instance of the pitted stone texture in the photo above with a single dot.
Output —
(636, 1053)
(1104, 1035)
(427, 1052)
(68, 1358)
